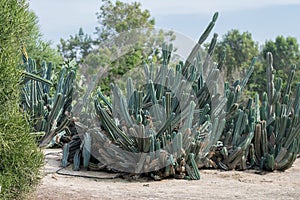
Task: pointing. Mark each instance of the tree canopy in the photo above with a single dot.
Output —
(286, 53)
(76, 47)
(125, 37)
(240, 48)
(118, 17)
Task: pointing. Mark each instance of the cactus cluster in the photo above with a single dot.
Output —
(266, 133)
(178, 121)
(49, 111)
(164, 128)
(232, 149)
(197, 126)
(277, 133)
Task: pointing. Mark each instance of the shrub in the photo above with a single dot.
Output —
(20, 158)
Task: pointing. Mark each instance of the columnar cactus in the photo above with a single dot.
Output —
(277, 134)
(180, 120)
(167, 126)
(232, 150)
(48, 115)
(262, 134)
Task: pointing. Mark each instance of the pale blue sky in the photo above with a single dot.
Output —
(265, 19)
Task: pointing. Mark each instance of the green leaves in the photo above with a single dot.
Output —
(77, 47)
(119, 17)
(240, 48)
(20, 159)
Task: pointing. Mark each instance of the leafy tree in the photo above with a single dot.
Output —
(285, 51)
(41, 50)
(285, 54)
(120, 17)
(76, 47)
(125, 37)
(20, 159)
(240, 49)
(127, 29)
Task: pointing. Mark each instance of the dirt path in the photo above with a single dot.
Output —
(214, 184)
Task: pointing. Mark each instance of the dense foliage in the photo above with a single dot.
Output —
(118, 17)
(20, 159)
(122, 28)
(77, 47)
(286, 53)
(240, 48)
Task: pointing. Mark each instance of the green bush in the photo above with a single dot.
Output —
(20, 159)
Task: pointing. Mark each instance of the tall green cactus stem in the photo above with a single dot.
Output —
(203, 37)
(238, 132)
(278, 133)
(49, 114)
(86, 150)
(270, 83)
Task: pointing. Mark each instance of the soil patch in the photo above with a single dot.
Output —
(214, 184)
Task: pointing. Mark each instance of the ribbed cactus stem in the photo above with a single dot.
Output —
(248, 74)
(264, 139)
(86, 151)
(64, 160)
(36, 78)
(194, 166)
(212, 45)
(202, 38)
(190, 118)
(237, 129)
(289, 82)
(270, 80)
(59, 87)
(297, 102)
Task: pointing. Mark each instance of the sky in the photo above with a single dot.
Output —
(264, 19)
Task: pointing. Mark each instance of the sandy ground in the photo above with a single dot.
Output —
(214, 184)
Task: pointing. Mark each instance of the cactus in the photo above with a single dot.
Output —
(154, 141)
(48, 113)
(277, 134)
(266, 133)
(165, 138)
(234, 141)
(179, 121)
(86, 151)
